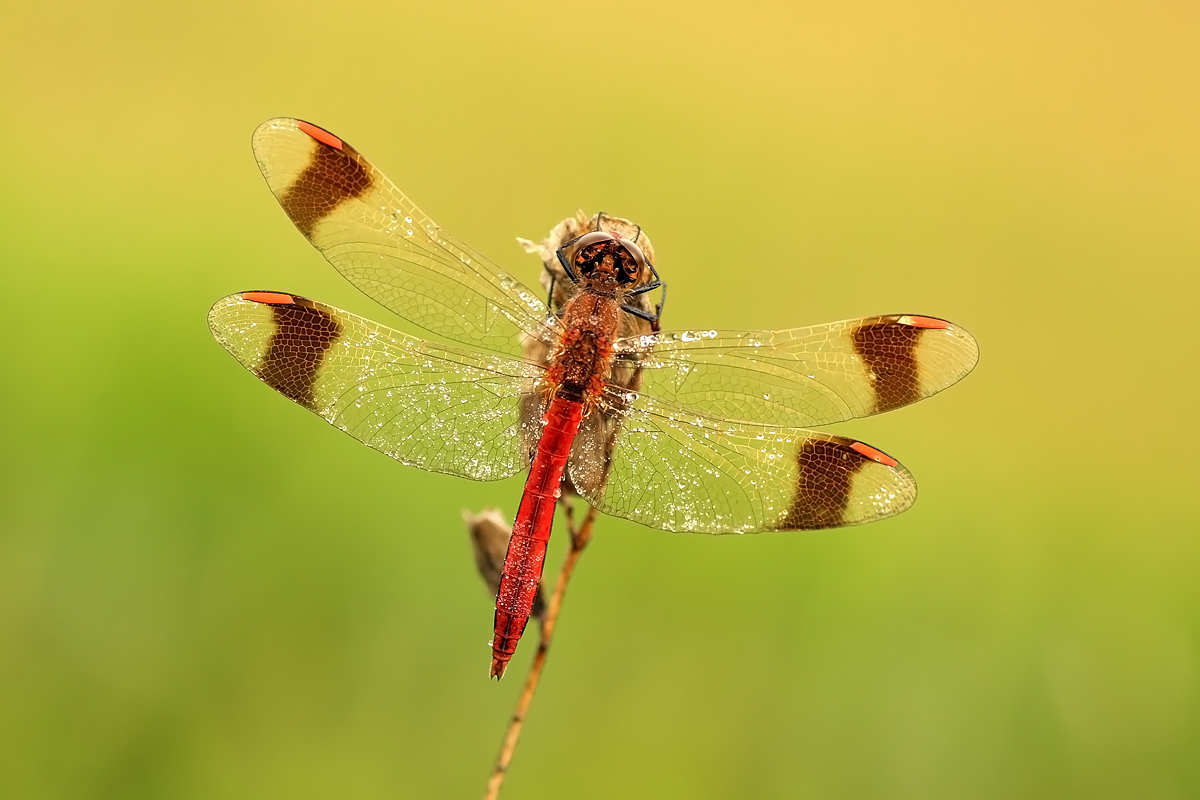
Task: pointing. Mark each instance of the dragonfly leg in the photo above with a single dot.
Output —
(652, 285)
(657, 283)
(646, 315)
(550, 294)
(562, 259)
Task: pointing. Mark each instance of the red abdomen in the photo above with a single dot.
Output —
(531, 531)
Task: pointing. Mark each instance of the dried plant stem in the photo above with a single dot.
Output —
(579, 540)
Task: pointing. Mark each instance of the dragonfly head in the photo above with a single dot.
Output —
(603, 260)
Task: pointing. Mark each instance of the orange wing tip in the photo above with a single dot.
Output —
(320, 134)
(874, 455)
(925, 322)
(270, 298)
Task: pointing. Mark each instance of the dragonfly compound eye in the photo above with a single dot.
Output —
(632, 261)
(589, 251)
(602, 255)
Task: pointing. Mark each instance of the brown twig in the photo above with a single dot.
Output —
(579, 540)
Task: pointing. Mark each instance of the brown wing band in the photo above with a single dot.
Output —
(827, 470)
(303, 334)
(333, 176)
(889, 351)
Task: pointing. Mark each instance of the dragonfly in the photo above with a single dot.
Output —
(703, 431)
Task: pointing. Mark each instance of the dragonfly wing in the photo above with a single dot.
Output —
(803, 376)
(387, 247)
(592, 449)
(424, 404)
(678, 470)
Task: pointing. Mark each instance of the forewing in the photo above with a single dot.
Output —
(803, 376)
(387, 247)
(677, 470)
(426, 405)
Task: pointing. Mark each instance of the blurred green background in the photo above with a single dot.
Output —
(205, 592)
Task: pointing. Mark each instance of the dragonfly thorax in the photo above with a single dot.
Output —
(582, 361)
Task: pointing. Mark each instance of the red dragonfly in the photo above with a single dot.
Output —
(701, 433)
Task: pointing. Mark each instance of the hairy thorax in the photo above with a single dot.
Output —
(581, 364)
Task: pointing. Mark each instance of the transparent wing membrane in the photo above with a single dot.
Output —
(388, 248)
(803, 376)
(435, 407)
(678, 470)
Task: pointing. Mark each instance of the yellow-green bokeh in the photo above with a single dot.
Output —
(207, 593)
